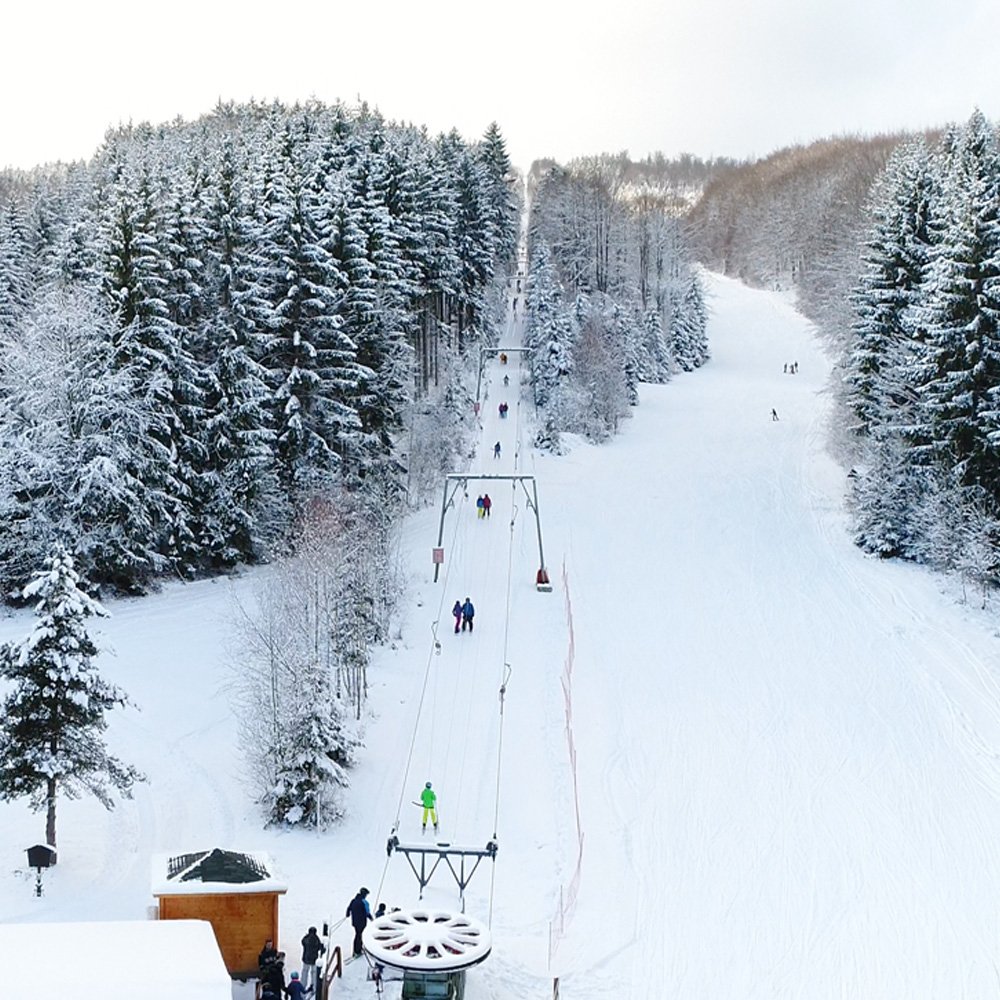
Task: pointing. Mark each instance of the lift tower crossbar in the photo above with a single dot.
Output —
(467, 860)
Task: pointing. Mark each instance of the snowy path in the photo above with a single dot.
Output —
(788, 753)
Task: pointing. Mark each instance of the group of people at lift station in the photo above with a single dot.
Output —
(271, 970)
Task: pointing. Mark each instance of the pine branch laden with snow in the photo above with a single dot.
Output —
(55, 716)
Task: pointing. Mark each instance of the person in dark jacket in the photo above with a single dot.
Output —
(268, 955)
(468, 613)
(273, 975)
(457, 612)
(487, 504)
(312, 948)
(359, 913)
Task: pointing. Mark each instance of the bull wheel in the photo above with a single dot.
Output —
(427, 940)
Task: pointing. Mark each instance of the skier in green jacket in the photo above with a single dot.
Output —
(429, 800)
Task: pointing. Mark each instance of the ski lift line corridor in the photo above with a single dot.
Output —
(457, 691)
(468, 688)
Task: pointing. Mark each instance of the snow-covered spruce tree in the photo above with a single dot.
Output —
(16, 278)
(245, 511)
(312, 362)
(54, 718)
(74, 427)
(312, 755)
(959, 387)
(893, 264)
(656, 352)
(502, 203)
(688, 340)
(623, 329)
(549, 332)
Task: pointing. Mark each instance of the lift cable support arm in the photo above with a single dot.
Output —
(461, 861)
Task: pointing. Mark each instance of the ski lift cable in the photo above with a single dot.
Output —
(435, 644)
(504, 681)
(453, 688)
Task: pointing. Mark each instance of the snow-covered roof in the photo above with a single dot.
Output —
(152, 959)
(214, 871)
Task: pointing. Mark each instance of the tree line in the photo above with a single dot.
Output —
(922, 371)
(794, 219)
(613, 299)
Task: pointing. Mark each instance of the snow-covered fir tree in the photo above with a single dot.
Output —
(54, 717)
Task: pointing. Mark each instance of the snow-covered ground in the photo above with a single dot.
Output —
(788, 754)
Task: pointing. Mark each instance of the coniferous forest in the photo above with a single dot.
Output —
(211, 325)
(922, 369)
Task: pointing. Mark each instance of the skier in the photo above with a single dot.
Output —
(428, 799)
(784, 368)
(457, 612)
(479, 507)
(506, 381)
(487, 503)
(774, 414)
(503, 359)
(496, 450)
(312, 948)
(468, 613)
(357, 910)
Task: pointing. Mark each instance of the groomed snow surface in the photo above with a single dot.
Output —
(787, 753)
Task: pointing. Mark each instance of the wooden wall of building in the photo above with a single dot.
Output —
(242, 922)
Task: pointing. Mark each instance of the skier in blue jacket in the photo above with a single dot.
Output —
(468, 613)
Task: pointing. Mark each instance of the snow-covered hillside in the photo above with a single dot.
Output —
(788, 754)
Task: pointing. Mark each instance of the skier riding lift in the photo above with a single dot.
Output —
(429, 800)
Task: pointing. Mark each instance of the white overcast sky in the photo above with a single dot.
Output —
(712, 77)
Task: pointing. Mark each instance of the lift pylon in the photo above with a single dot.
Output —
(456, 480)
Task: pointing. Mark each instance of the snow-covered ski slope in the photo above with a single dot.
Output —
(788, 754)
